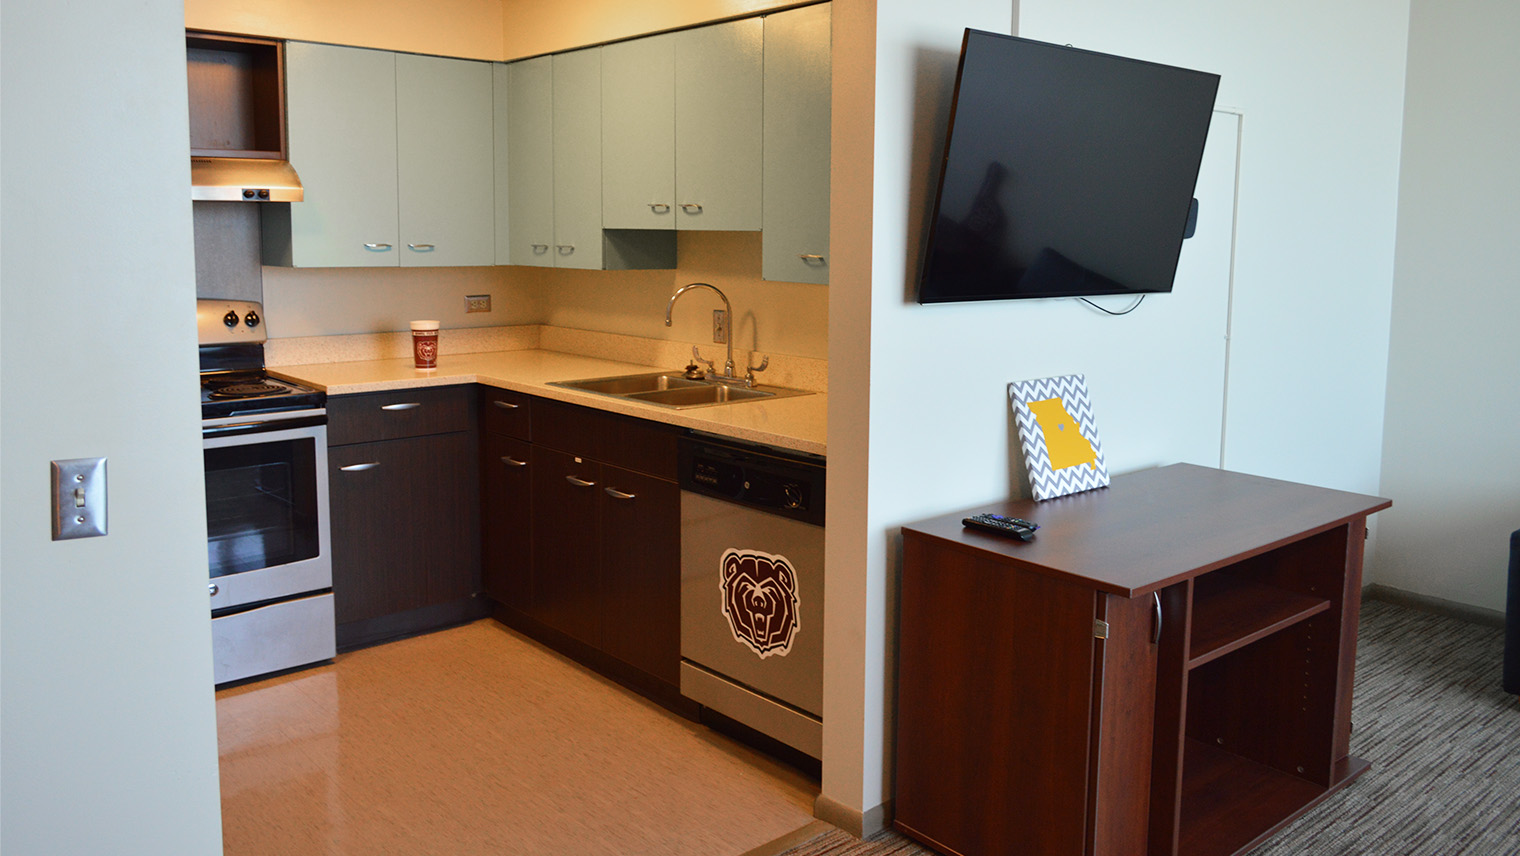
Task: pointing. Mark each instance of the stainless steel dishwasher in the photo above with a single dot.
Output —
(752, 587)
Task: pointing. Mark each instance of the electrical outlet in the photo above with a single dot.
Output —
(477, 303)
(720, 327)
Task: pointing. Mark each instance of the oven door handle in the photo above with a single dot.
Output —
(266, 425)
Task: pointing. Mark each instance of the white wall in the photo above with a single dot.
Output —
(1451, 453)
(109, 735)
(1321, 96)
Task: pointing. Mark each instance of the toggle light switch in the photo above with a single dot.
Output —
(79, 498)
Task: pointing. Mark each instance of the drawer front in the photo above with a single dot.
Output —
(505, 412)
(624, 441)
(375, 416)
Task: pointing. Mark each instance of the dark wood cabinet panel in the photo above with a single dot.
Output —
(567, 538)
(369, 417)
(623, 441)
(641, 571)
(402, 524)
(506, 520)
(505, 412)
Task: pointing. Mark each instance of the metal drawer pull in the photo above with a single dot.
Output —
(214, 589)
(617, 494)
(405, 405)
(565, 249)
(688, 206)
(379, 248)
(422, 248)
(506, 405)
(539, 248)
(659, 207)
(513, 462)
(810, 257)
(1156, 636)
(579, 482)
(357, 468)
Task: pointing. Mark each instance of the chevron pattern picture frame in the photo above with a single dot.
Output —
(1060, 440)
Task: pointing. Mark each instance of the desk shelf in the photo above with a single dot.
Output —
(1230, 614)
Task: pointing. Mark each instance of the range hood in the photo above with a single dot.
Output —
(244, 180)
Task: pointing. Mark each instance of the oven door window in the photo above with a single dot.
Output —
(261, 505)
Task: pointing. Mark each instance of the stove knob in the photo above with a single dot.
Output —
(230, 319)
(215, 589)
(251, 319)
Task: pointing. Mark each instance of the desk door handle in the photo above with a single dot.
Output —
(405, 405)
(1156, 635)
(513, 462)
(506, 405)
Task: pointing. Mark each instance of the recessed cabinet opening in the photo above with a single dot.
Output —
(236, 91)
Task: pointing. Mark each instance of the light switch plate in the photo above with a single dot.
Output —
(79, 498)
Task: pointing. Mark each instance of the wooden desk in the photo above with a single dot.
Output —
(1165, 669)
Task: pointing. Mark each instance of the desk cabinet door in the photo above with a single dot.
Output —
(445, 161)
(506, 520)
(566, 537)
(641, 572)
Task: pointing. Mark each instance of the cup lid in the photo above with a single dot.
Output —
(424, 325)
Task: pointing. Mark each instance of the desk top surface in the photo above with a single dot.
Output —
(1153, 528)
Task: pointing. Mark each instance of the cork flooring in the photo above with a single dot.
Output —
(476, 740)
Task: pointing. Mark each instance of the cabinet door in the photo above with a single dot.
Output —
(445, 161)
(578, 159)
(641, 571)
(566, 535)
(638, 134)
(795, 246)
(529, 97)
(506, 520)
(401, 535)
(719, 88)
(341, 113)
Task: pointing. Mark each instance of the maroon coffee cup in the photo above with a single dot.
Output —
(425, 344)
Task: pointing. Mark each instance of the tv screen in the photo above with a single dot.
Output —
(1066, 173)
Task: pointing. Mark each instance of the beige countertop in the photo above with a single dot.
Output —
(798, 423)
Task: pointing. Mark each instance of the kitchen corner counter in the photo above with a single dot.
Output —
(797, 423)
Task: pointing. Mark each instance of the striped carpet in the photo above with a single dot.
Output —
(1443, 739)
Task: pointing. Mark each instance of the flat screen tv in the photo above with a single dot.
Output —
(1066, 173)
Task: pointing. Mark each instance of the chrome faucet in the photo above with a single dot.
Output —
(728, 310)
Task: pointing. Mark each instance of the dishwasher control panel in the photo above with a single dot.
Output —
(763, 479)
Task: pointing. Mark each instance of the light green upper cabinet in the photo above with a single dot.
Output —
(720, 83)
(445, 160)
(681, 129)
(795, 246)
(391, 150)
(639, 134)
(578, 159)
(341, 115)
(525, 162)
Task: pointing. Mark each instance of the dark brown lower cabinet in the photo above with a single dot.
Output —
(402, 524)
(506, 503)
(567, 537)
(640, 571)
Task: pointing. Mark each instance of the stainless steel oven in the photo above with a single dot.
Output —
(268, 543)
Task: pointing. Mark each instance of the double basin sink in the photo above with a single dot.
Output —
(675, 390)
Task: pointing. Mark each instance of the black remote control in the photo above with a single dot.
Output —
(1011, 527)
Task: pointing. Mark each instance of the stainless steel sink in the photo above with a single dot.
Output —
(671, 389)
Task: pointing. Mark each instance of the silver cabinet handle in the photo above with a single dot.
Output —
(539, 248)
(379, 248)
(422, 248)
(405, 405)
(617, 494)
(565, 249)
(810, 257)
(506, 405)
(513, 462)
(659, 207)
(359, 468)
(579, 482)
(214, 589)
(689, 206)
(1156, 635)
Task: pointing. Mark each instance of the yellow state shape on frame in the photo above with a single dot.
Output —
(1063, 439)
